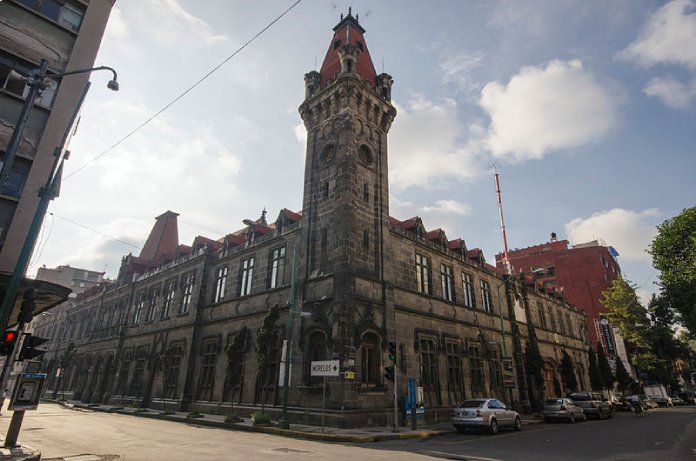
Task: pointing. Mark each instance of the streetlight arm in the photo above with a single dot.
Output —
(82, 71)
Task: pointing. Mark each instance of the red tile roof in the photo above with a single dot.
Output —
(348, 31)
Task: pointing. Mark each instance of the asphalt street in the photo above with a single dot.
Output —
(662, 434)
(61, 433)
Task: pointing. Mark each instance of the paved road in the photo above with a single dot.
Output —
(61, 433)
(661, 435)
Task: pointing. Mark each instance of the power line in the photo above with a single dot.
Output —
(94, 230)
(188, 90)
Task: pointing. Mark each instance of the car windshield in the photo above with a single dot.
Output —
(472, 404)
(554, 402)
(580, 397)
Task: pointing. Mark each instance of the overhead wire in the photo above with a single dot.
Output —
(95, 230)
(184, 93)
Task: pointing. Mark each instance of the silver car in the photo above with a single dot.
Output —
(563, 408)
(485, 413)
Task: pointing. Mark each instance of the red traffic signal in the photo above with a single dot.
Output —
(7, 342)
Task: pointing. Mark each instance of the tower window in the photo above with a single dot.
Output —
(337, 43)
(365, 155)
(324, 239)
(366, 239)
(366, 192)
(360, 45)
(326, 189)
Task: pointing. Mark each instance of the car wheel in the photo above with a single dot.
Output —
(571, 419)
(584, 416)
(494, 426)
(461, 429)
(518, 424)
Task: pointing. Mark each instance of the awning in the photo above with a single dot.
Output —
(48, 295)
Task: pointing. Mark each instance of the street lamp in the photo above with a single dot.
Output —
(46, 193)
(36, 83)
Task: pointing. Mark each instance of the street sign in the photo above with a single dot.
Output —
(325, 368)
(350, 374)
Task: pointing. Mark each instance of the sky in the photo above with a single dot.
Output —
(587, 107)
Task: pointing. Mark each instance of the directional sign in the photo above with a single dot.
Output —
(325, 368)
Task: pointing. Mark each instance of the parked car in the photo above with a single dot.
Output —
(676, 400)
(592, 404)
(564, 409)
(484, 413)
(687, 397)
(662, 401)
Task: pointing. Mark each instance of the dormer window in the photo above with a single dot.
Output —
(360, 45)
(337, 43)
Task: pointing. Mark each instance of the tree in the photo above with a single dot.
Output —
(596, 382)
(64, 362)
(235, 361)
(568, 373)
(622, 376)
(625, 312)
(265, 335)
(673, 253)
(604, 368)
(534, 365)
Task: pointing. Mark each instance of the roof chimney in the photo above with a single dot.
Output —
(553, 237)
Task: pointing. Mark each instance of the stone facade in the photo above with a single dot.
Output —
(193, 328)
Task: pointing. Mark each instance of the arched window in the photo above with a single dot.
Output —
(369, 361)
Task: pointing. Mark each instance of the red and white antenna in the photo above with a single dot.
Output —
(506, 257)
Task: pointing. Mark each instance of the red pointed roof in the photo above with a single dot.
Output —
(348, 31)
(163, 239)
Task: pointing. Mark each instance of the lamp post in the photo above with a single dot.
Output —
(284, 423)
(35, 82)
(531, 332)
(46, 193)
(50, 190)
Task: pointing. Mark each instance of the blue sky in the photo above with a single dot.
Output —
(588, 108)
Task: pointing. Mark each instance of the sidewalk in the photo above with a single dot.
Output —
(330, 434)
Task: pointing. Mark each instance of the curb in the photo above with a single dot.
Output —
(316, 436)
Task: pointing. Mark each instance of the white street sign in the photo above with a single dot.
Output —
(326, 368)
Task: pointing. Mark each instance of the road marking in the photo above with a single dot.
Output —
(497, 436)
(459, 457)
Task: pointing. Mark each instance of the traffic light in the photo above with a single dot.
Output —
(392, 351)
(29, 347)
(26, 311)
(389, 373)
(7, 342)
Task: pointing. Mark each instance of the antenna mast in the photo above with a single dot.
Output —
(506, 257)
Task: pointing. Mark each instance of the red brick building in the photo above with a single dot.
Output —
(580, 272)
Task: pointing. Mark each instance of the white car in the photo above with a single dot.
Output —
(485, 413)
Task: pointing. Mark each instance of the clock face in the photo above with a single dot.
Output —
(365, 155)
(328, 152)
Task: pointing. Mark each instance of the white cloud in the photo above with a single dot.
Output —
(630, 232)
(669, 37)
(672, 92)
(117, 27)
(424, 145)
(448, 207)
(300, 133)
(173, 20)
(457, 68)
(542, 109)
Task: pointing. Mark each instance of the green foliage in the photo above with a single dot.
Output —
(604, 368)
(259, 417)
(264, 336)
(596, 382)
(534, 364)
(568, 373)
(673, 253)
(625, 312)
(235, 356)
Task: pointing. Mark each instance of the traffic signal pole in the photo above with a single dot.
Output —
(9, 361)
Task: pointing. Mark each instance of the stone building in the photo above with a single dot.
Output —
(202, 327)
